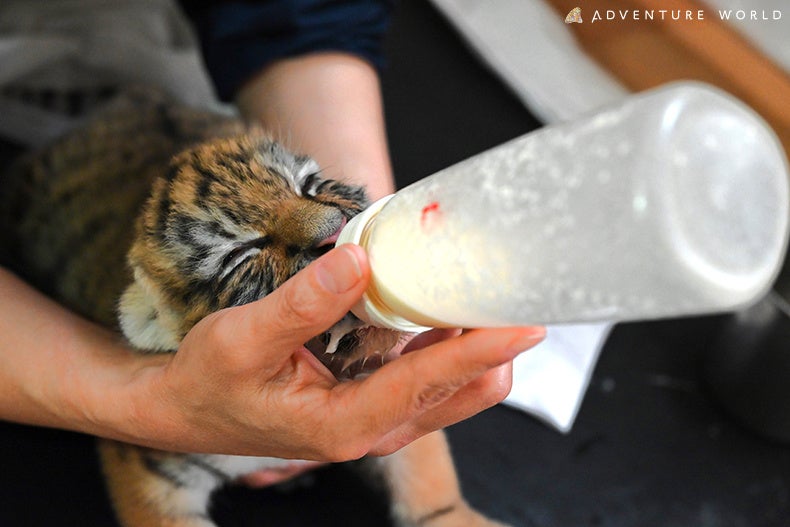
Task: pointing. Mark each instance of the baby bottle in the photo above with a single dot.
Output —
(672, 203)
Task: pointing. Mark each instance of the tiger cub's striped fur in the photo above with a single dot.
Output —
(179, 213)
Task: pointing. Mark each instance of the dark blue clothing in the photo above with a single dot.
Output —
(239, 38)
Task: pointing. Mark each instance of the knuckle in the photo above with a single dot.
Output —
(340, 452)
(344, 443)
(431, 396)
(223, 340)
(218, 329)
(394, 444)
(298, 308)
(495, 396)
(501, 385)
(492, 389)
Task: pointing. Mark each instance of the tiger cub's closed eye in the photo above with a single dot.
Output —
(238, 253)
(312, 184)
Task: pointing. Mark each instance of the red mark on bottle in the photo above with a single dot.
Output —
(431, 216)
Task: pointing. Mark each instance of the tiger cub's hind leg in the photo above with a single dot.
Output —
(152, 488)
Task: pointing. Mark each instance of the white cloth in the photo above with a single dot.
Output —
(68, 45)
(528, 46)
(549, 381)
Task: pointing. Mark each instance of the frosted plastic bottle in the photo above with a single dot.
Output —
(672, 203)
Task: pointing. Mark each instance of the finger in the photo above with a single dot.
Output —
(304, 306)
(482, 393)
(407, 388)
(423, 340)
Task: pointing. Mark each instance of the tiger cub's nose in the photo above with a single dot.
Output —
(304, 226)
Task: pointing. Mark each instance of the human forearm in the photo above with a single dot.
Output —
(56, 368)
(327, 105)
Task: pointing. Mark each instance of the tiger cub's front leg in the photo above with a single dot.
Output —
(151, 488)
(424, 487)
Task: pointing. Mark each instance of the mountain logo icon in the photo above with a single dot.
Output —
(575, 16)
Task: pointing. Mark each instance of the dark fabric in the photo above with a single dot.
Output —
(240, 38)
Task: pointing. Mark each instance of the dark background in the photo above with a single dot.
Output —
(651, 447)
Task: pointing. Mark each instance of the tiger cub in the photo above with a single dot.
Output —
(152, 216)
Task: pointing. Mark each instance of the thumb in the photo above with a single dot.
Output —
(311, 301)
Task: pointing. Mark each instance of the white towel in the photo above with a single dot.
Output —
(68, 45)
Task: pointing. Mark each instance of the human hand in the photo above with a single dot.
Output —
(243, 383)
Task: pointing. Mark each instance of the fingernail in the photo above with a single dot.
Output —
(527, 339)
(339, 270)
